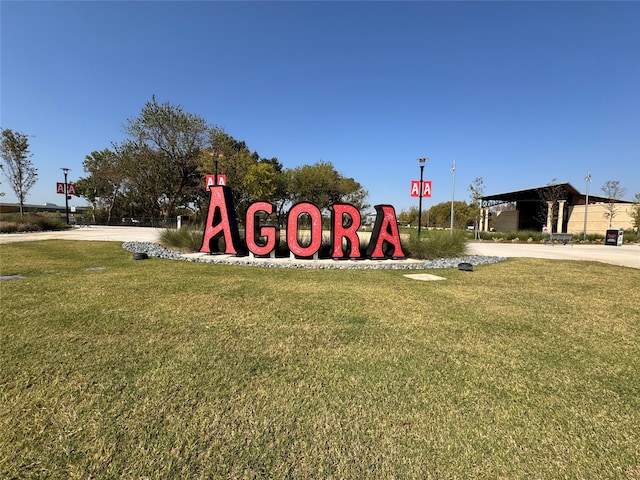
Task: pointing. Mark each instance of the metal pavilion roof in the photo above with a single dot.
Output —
(574, 197)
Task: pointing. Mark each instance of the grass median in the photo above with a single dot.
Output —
(115, 368)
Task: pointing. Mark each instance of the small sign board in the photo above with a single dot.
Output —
(426, 188)
(71, 188)
(614, 238)
(222, 180)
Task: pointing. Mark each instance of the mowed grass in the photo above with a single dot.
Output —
(163, 369)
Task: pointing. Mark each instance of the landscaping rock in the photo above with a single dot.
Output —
(155, 250)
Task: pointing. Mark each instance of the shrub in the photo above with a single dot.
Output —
(8, 227)
(48, 223)
(630, 236)
(515, 236)
(594, 238)
(185, 239)
(436, 244)
(31, 223)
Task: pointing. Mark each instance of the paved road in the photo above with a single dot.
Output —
(626, 255)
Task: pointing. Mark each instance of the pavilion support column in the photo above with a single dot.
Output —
(560, 226)
(486, 220)
(549, 216)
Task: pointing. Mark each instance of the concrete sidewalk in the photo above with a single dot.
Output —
(93, 232)
(626, 255)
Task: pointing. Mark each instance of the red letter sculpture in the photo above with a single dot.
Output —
(252, 234)
(345, 229)
(316, 229)
(221, 221)
(385, 233)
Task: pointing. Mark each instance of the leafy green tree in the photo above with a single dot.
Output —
(234, 160)
(260, 182)
(168, 143)
(146, 182)
(163, 166)
(408, 217)
(322, 185)
(352, 192)
(249, 176)
(440, 214)
(105, 181)
(19, 170)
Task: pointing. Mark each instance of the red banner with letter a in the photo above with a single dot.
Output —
(211, 181)
(71, 188)
(426, 188)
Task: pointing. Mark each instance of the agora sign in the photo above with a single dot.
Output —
(261, 240)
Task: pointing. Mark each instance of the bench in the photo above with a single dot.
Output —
(563, 238)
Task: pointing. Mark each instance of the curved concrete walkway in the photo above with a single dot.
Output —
(627, 255)
(93, 232)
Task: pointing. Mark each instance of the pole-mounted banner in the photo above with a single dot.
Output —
(426, 188)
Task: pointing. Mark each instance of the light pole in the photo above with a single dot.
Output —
(215, 172)
(421, 161)
(66, 195)
(453, 190)
(586, 206)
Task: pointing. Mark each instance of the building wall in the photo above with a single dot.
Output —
(507, 220)
(573, 219)
(597, 218)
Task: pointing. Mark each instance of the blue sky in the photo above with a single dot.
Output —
(518, 93)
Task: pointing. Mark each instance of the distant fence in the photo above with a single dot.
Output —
(156, 222)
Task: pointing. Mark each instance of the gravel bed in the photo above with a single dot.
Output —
(155, 250)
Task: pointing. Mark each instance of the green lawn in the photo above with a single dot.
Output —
(159, 369)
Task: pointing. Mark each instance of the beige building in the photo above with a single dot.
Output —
(554, 208)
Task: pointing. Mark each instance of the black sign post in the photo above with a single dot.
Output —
(614, 238)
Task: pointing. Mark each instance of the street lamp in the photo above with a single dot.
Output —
(586, 206)
(215, 172)
(66, 194)
(453, 190)
(421, 161)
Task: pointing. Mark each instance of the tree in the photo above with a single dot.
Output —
(146, 184)
(476, 191)
(322, 185)
(614, 192)
(635, 211)
(440, 214)
(163, 167)
(352, 192)
(234, 159)
(551, 193)
(409, 217)
(105, 182)
(169, 142)
(19, 170)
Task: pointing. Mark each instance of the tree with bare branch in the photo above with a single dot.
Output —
(614, 192)
(552, 192)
